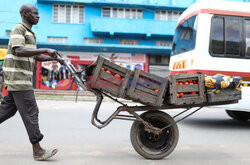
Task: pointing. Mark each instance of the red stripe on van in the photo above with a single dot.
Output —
(212, 72)
(214, 11)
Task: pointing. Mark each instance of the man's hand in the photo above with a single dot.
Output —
(52, 53)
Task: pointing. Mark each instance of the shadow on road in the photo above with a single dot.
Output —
(217, 123)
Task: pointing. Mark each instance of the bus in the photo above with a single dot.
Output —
(213, 37)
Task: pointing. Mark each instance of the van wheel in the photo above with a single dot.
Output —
(238, 115)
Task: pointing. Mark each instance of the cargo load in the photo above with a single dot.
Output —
(153, 90)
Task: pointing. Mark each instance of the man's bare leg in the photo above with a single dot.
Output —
(37, 150)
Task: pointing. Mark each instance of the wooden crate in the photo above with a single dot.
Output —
(147, 88)
(224, 95)
(109, 77)
(186, 89)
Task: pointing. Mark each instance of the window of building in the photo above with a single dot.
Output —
(93, 40)
(169, 15)
(57, 39)
(128, 42)
(106, 12)
(226, 36)
(68, 13)
(158, 60)
(8, 32)
(164, 43)
(114, 12)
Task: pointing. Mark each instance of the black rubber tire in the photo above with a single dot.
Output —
(239, 115)
(152, 146)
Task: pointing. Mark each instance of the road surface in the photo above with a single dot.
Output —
(209, 137)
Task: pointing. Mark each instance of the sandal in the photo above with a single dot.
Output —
(47, 154)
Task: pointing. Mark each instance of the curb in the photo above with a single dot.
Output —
(70, 95)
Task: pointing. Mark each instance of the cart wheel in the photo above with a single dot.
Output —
(153, 146)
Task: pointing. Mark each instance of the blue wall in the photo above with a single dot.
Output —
(146, 30)
(9, 14)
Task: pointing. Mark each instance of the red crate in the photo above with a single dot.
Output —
(109, 77)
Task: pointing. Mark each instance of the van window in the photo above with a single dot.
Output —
(232, 36)
(217, 36)
(226, 36)
(247, 32)
(185, 37)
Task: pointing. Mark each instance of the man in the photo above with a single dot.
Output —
(18, 72)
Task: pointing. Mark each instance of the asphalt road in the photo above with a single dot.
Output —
(209, 137)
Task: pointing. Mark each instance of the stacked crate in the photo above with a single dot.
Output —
(147, 88)
(186, 89)
(109, 78)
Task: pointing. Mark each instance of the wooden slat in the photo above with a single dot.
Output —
(148, 84)
(187, 76)
(187, 88)
(143, 97)
(133, 83)
(187, 79)
(105, 85)
(115, 66)
(97, 69)
(192, 100)
(162, 92)
(109, 77)
(112, 69)
(113, 91)
(202, 88)
(127, 79)
(150, 75)
(109, 65)
(146, 90)
(172, 90)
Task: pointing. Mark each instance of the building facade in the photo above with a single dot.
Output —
(132, 33)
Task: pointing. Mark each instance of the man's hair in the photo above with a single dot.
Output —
(25, 8)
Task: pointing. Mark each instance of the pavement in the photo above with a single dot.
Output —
(71, 95)
(42, 94)
(63, 92)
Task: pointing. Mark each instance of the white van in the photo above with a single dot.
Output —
(213, 37)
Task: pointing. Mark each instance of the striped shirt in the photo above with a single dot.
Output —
(18, 71)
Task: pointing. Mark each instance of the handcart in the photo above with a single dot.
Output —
(154, 134)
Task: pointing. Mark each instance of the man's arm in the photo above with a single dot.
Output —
(22, 51)
(42, 57)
